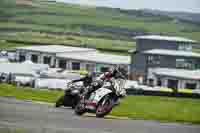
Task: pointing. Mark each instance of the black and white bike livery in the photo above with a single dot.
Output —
(103, 99)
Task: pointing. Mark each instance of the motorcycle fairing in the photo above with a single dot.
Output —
(99, 94)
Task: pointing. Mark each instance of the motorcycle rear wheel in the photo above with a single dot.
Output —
(75, 102)
(80, 109)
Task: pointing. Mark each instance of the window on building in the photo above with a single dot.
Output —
(22, 58)
(150, 59)
(196, 64)
(75, 65)
(185, 47)
(151, 82)
(54, 63)
(180, 63)
(173, 84)
(153, 60)
(47, 60)
(90, 67)
(62, 64)
(159, 82)
(34, 58)
(104, 69)
(185, 64)
(191, 86)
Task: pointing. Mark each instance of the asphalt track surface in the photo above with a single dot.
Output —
(26, 117)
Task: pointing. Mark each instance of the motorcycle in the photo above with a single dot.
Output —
(103, 99)
(71, 97)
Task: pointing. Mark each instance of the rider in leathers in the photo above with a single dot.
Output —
(115, 74)
(88, 79)
(87, 83)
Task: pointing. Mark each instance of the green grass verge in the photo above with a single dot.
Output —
(29, 93)
(159, 108)
(9, 46)
(136, 107)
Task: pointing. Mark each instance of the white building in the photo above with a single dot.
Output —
(23, 69)
(91, 61)
(46, 54)
(71, 58)
(174, 78)
(24, 73)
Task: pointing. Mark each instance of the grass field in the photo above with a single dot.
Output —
(29, 93)
(159, 108)
(99, 43)
(104, 28)
(136, 107)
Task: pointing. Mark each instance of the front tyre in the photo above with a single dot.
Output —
(104, 107)
(59, 102)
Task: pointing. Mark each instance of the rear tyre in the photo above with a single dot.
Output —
(75, 102)
(104, 107)
(59, 102)
(73, 106)
(80, 109)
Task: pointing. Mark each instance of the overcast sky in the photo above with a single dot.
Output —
(168, 5)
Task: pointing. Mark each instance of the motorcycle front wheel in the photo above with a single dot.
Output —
(104, 107)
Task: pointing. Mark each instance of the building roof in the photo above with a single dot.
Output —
(97, 57)
(55, 48)
(172, 53)
(167, 38)
(178, 73)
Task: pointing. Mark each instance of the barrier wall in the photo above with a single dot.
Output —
(159, 93)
